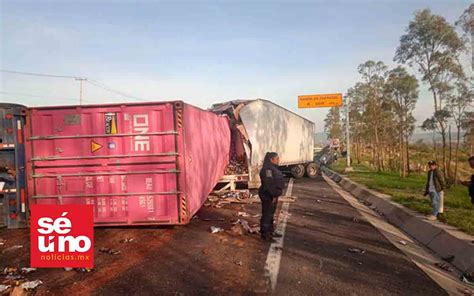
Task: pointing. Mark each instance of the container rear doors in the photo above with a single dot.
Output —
(13, 204)
(121, 159)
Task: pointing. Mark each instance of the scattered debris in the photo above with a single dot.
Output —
(3, 288)
(355, 219)
(195, 217)
(247, 227)
(277, 248)
(68, 268)
(239, 263)
(10, 271)
(2, 242)
(129, 239)
(444, 266)
(109, 251)
(14, 277)
(318, 200)
(213, 198)
(381, 214)
(256, 216)
(243, 214)
(85, 270)
(215, 229)
(238, 195)
(236, 230)
(449, 258)
(236, 167)
(12, 248)
(26, 270)
(356, 250)
(287, 199)
(31, 285)
(402, 242)
(468, 278)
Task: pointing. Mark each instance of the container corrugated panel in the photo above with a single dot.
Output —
(13, 202)
(150, 163)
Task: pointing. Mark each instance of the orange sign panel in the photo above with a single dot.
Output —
(319, 101)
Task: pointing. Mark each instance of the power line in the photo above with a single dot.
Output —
(80, 79)
(39, 74)
(105, 87)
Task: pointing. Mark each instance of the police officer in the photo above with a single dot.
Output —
(271, 188)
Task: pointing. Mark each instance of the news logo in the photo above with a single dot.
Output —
(62, 236)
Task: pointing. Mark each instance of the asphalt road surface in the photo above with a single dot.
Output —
(316, 259)
(189, 260)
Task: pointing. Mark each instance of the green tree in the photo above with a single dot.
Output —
(459, 103)
(466, 23)
(430, 124)
(402, 90)
(373, 76)
(433, 46)
(358, 129)
(468, 126)
(332, 124)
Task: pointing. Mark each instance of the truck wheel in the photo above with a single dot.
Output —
(312, 170)
(297, 171)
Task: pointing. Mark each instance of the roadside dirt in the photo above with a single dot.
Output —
(160, 260)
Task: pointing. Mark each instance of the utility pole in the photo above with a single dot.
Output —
(348, 141)
(80, 79)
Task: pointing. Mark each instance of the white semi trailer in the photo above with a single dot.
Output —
(260, 126)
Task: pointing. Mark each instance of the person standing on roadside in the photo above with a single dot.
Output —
(435, 186)
(271, 188)
(470, 184)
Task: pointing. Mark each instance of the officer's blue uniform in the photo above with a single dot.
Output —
(271, 188)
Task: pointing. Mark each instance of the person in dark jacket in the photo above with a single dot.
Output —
(470, 184)
(271, 188)
(7, 176)
(435, 186)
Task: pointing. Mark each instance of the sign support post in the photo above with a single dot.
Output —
(348, 140)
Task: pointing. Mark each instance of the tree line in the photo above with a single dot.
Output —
(382, 102)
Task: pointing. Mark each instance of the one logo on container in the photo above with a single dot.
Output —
(141, 127)
(62, 236)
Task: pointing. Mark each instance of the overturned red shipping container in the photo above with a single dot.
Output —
(138, 164)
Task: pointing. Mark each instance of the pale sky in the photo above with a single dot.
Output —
(201, 52)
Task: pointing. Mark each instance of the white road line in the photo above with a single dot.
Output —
(272, 265)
